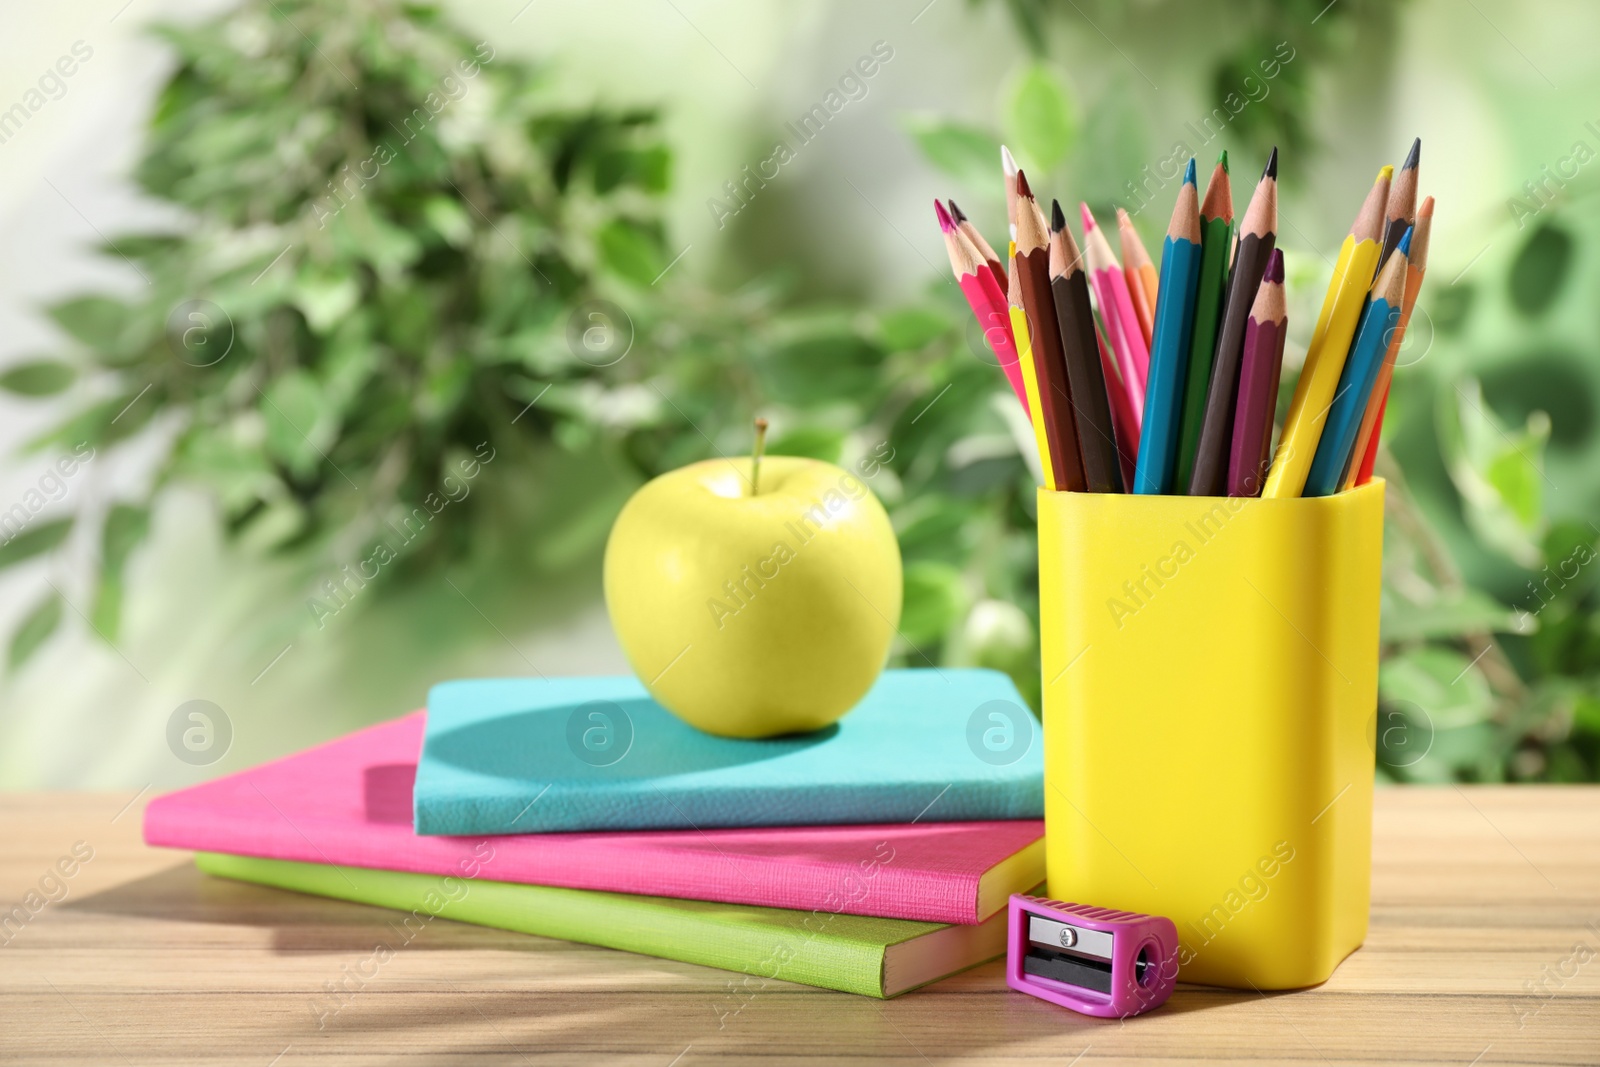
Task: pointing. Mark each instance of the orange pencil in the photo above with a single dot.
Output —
(1143, 280)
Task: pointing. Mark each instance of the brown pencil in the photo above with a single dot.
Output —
(1091, 408)
(1401, 209)
(1055, 391)
(1258, 236)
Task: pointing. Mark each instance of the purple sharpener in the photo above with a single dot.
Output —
(1093, 960)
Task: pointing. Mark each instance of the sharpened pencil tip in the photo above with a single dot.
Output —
(1188, 173)
(1404, 247)
(1274, 267)
(945, 222)
(1426, 210)
(1385, 173)
(1087, 216)
(955, 212)
(1008, 163)
(1414, 156)
(1222, 160)
(1271, 169)
(1058, 218)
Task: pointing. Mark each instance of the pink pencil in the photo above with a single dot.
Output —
(1124, 419)
(1116, 308)
(987, 300)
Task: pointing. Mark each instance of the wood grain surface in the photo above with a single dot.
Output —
(1484, 949)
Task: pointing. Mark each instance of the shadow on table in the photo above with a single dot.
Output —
(507, 992)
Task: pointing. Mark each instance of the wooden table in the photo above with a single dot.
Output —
(1485, 948)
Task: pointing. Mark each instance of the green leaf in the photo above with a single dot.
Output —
(1441, 682)
(1586, 714)
(95, 320)
(824, 366)
(42, 377)
(649, 169)
(325, 296)
(126, 526)
(966, 153)
(1039, 119)
(1498, 471)
(35, 629)
(816, 442)
(935, 601)
(1450, 306)
(1467, 611)
(27, 538)
(908, 329)
(631, 250)
(292, 408)
(448, 219)
(1540, 270)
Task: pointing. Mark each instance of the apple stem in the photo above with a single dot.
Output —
(755, 461)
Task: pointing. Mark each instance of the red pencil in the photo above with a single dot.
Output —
(988, 303)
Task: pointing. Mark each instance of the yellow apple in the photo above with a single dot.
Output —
(755, 614)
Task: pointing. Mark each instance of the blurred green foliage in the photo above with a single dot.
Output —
(391, 262)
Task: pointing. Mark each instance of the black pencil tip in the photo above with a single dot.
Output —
(956, 213)
(1413, 156)
(1271, 170)
(1058, 218)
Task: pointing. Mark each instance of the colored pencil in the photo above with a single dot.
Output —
(1365, 454)
(1143, 282)
(1216, 244)
(1258, 236)
(985, 298)
(1379, 322)
(1030, 373)
(1169, 348)
(1400, 212)
(1008, 167)
(1258, 382)
(970, 232)
(1097, 443)
(1116, 310)
(1330, 343)
(1124, 420)
(1055, 394)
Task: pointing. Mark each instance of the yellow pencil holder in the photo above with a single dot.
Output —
(1210, 697)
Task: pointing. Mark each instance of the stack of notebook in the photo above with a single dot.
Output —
(873, 857)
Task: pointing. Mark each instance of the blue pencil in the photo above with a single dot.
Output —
(1169, 343)
(1378, 323)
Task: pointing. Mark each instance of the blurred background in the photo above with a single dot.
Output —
(287, 279)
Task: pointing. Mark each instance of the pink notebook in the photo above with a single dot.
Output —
(348, 802)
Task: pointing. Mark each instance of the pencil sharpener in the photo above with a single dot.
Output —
(1097, 961)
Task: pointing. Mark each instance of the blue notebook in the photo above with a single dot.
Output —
(519, 755)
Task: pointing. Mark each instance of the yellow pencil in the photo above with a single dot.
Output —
(1330, 343)
(1030, 377)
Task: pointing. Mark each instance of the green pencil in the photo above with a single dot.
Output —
(1216, 231)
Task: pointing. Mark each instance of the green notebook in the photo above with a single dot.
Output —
(851, 953)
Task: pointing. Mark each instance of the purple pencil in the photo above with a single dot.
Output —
(1258, 383)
